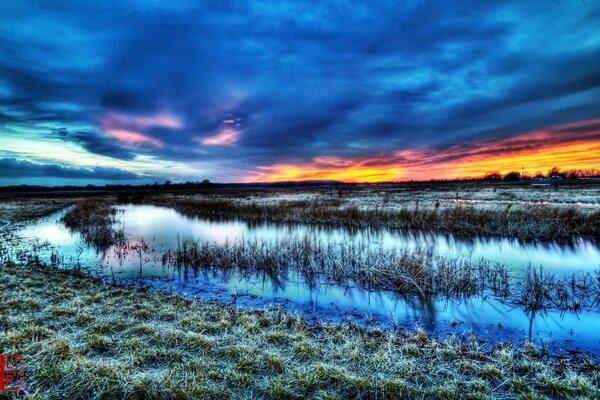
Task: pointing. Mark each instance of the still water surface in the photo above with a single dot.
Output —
(164, 228)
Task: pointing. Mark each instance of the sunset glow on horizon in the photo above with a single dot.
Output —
(532, 152)
(265, 90)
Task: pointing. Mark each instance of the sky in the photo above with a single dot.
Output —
(97, 92)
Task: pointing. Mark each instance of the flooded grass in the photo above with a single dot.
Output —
(94, 218)
(84, 338)
(406, 272)
(542, 291)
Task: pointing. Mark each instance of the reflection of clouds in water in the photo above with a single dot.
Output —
(48, 231)
(221, 233)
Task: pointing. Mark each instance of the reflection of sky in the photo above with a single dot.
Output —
(162, 228)
(166, 225)
(484, 316)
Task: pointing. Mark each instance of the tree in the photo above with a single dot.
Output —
(554, 171)
(492, 176)
(512, 176)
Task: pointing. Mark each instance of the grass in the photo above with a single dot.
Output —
(556, 212)
(404, 272)
(95, 219)
(541, 290)
(15, 209)
(407, 272)
(534, 222)
(84, 338)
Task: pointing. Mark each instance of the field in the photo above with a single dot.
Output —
(114, 295)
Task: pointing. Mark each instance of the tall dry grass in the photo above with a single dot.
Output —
(415, 272)
(536, 222)
(95, 220)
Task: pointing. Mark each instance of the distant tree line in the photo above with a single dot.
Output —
(553, 173)
(167, 185)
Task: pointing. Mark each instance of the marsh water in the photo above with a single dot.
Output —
(163, 228)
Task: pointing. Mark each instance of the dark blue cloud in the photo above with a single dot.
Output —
(95, 143)
(13, 168)
(298, 79)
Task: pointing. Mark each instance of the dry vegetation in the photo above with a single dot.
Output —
(18, 209)
(518, 215)
(95, 219)
(406, 272)
(87, 339)
(531, 223)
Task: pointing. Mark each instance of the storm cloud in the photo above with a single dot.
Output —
(223, 88)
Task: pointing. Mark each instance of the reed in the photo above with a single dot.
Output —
(374, 267)
(536, 222)
(541, 291)
(95, 219)
(379, 268)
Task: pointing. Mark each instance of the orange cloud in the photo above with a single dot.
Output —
(330, 168)
(571, 146)
(225, 137)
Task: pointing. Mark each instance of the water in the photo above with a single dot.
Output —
(164, 228)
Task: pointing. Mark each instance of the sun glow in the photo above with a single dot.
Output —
(329, 168)
(531, 152)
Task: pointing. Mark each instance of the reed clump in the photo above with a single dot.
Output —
(378, 268)
(374, 267)
(95, 219)
(540, 291)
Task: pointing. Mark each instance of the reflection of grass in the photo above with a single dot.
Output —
(534, 222)
(542, 290)
(83, 338)
(94, 218)
(407, 272)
